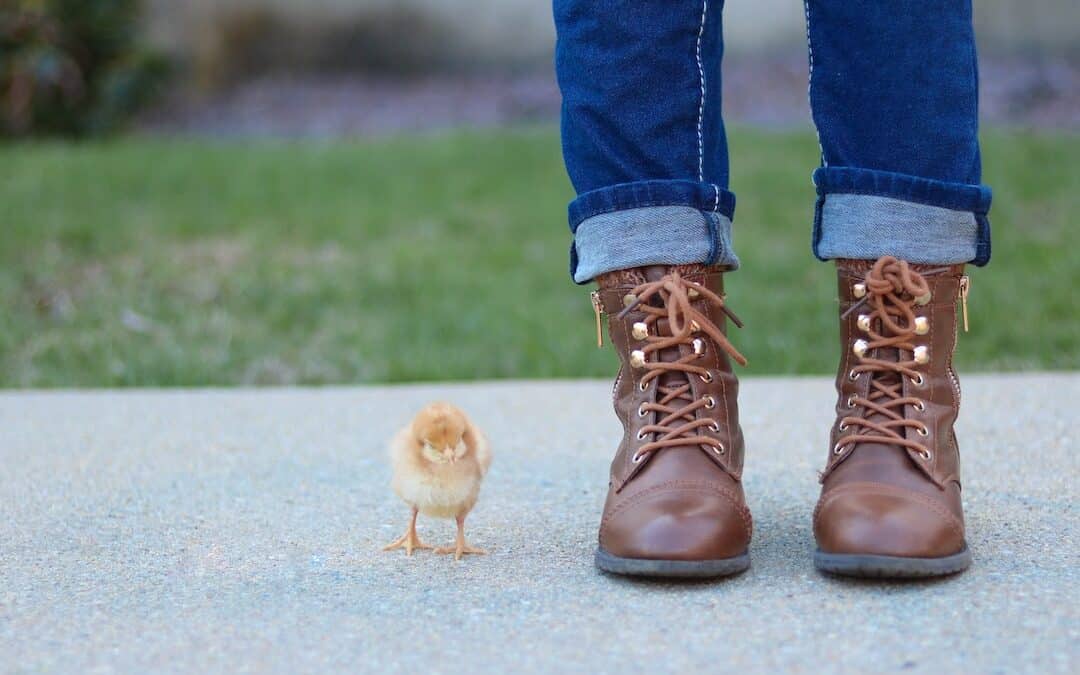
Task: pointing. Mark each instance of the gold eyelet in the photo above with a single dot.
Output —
(922, 431)
(922, 325)
(642, 386)
(852, 375)
(851, 401)
(924, 299)
(714, 427)
(919, 381)
(921, 354)
(629, 299)
(925, 455)
(640, 330)
(699, 346)
(720, 449)
(858, 290)
(706, 378)
(860, 347)
(637, 358)
(920, 406)
(863, 322)
(710, 402)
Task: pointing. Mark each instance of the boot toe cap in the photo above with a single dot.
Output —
(871, 519)
(693, 525)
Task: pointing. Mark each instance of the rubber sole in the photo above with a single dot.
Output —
(891, 567)
(671, 569)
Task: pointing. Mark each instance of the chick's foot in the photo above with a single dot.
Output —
(408, 541)
(460, 547)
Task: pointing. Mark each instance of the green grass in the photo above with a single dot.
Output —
(142, 262)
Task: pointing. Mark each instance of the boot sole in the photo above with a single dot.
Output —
(891, 567)
(671, 569)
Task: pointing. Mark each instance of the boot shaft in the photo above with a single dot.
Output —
(882, 321)
(644, 337)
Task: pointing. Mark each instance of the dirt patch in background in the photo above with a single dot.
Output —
(1038, 93)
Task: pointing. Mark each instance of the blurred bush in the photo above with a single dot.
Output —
(241, 41)
(220, 43)
(72, 67)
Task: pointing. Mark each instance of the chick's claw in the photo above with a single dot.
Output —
(460, 550)
(408, 541)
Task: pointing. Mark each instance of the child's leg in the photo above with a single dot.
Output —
(643, 139)
(644, 146)
(901, 208)
(894, 95)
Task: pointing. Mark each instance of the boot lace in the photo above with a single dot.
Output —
(890, 353)
(671, 297)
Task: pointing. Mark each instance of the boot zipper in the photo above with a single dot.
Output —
(598, 310)
(965, 288)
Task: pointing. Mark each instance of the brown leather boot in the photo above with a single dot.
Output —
(890, 498)
(675, 505)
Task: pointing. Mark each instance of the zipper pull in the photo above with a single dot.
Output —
(598, 310)
(965, 288)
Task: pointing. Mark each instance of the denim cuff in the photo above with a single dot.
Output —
(654, 222)
(865, 214)
(650, 235)
(701, 196)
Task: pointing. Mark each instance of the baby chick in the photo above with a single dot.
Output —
(439, 460)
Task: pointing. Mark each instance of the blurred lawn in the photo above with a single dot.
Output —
(151, 262)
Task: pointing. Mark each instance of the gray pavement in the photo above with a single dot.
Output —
(239, 530)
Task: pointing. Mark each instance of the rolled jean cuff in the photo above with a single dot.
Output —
(865, 214)
(650, 223)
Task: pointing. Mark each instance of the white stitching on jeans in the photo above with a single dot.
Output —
(810, 80)
(701, 105)
(716, 198)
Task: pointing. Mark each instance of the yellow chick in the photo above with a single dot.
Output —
(439, 460)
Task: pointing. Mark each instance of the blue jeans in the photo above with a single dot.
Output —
(893, 92)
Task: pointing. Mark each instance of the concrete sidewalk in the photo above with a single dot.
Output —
(240, 530)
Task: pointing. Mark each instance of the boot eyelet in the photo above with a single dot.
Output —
(699, 347)
(710, 402)
(852, 375)
(720, 449)
(714, 427)
(636, 459)
(918, 381)
(706, 378)
(920, 406)
(842, 427)
(922, 431)
(640, 411)
(640, 436)
(851, 401)
(642, 386)
(838, 449)
(925, 455)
